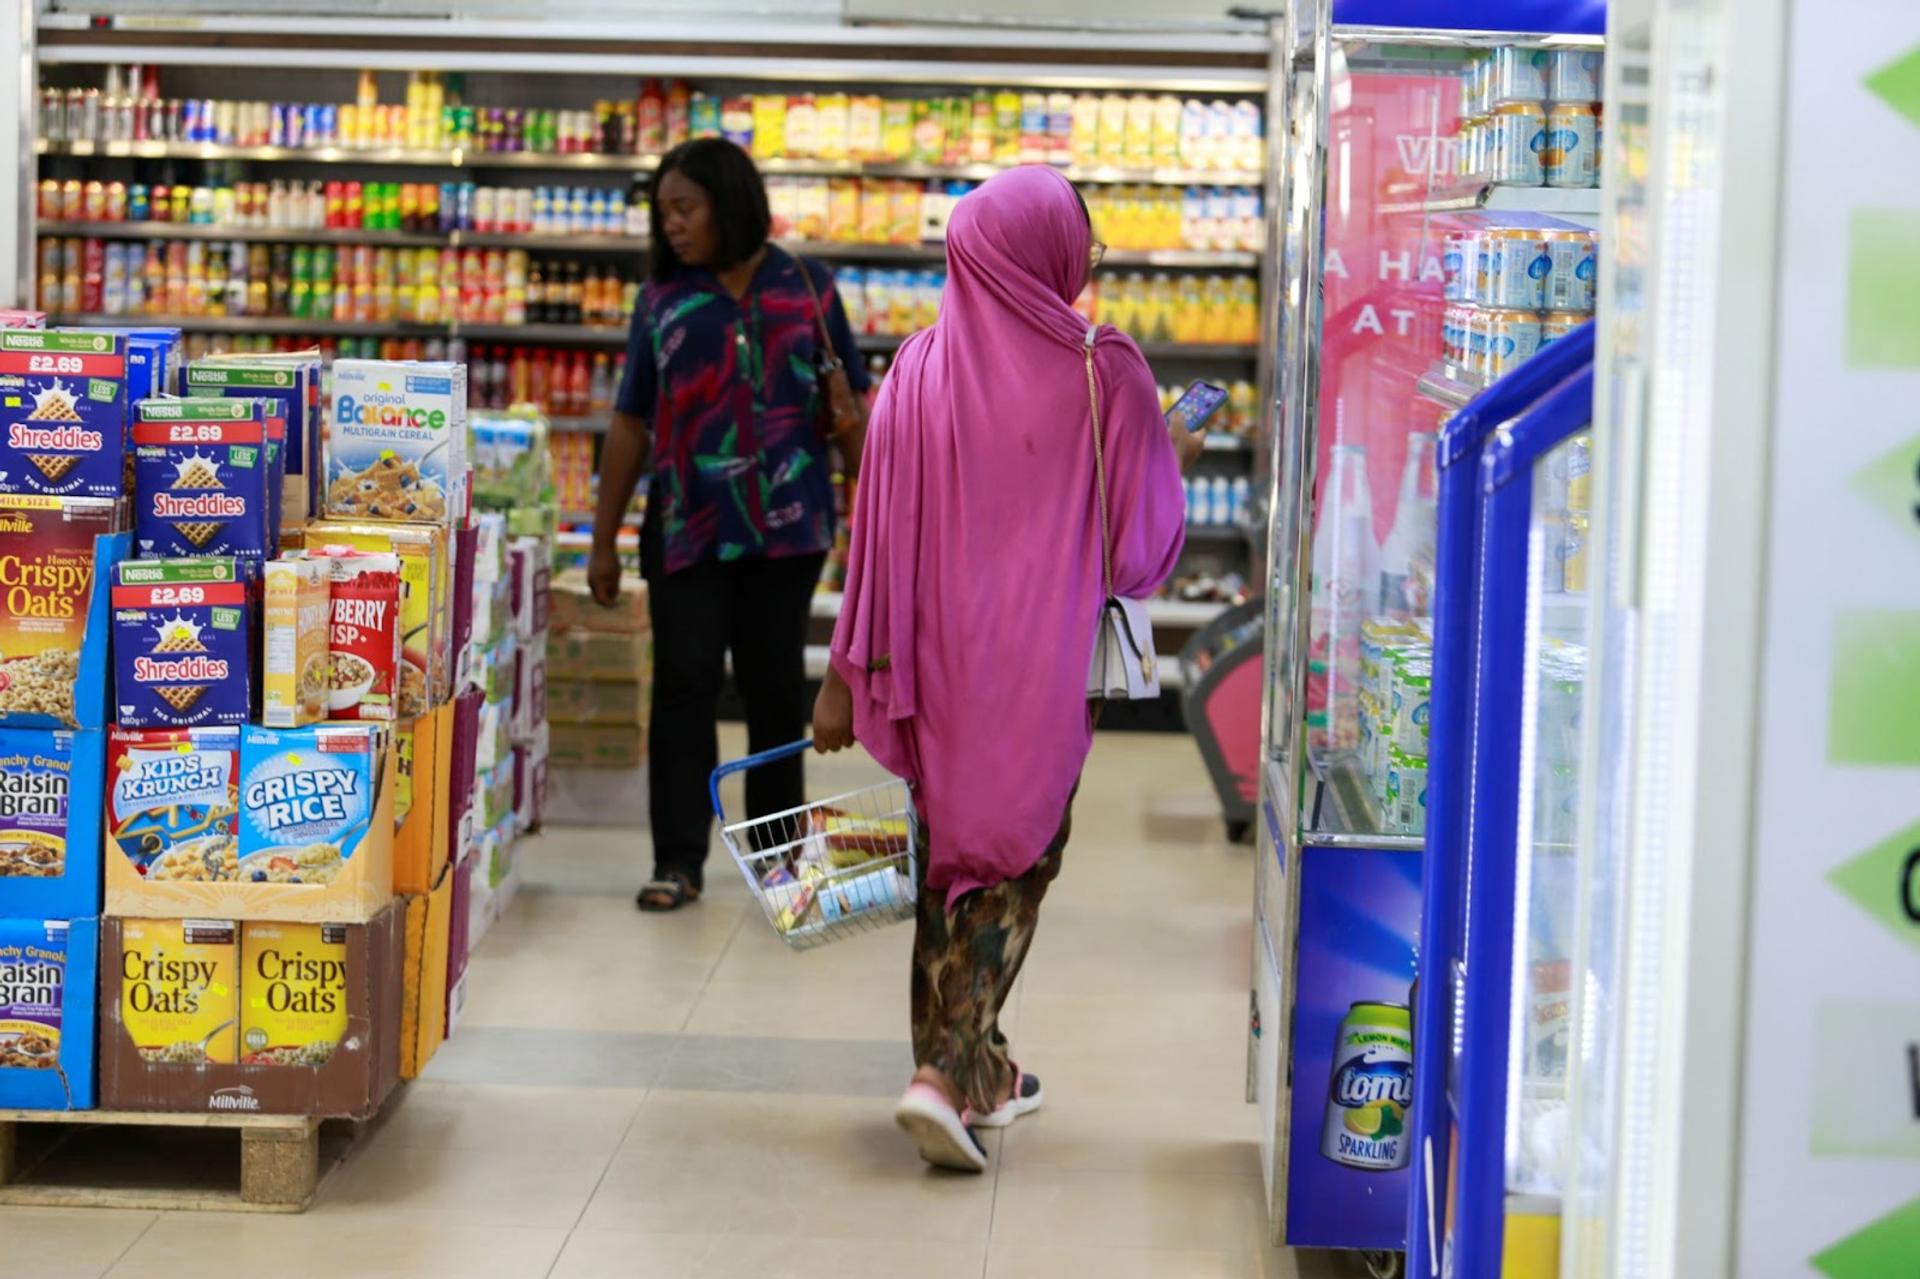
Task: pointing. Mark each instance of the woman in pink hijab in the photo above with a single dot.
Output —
(973, 594)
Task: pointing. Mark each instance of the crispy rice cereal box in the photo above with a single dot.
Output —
(33, 987)
(182, 642)
(172, 802)
(36, 775)
(293, 993)
(46, 585)
(63, 413)
(180, 988)
(306, 801)
(204, 479)
(396, 444)
(295, 672)
(426, 602)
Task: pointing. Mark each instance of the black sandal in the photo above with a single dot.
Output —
(658, 896)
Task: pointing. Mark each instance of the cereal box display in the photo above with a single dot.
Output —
(293, 383)
(172, 809)
(293, 993)
(203, 479)
(180, 989)
(47, 979)
(11, 318)
(396, 445)
(511, 466)
(48, 561)
(366, 590)
(50, 822)
(63, 413)
(316, 822)
(182, 643)
(426, 602)
(295, 674)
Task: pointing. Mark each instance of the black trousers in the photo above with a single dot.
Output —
(756, 609)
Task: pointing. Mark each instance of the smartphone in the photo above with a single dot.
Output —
(1197, 406)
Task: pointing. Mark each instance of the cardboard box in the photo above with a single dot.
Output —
(459, 939)
(576, 703)
(423, 845)
(350, 1084)
(172, 811)
(598, 746)
(573, 607)
(493, 794)
(396, 443)
(182, 642)
(367, 610)
(51, 783)
(296, 640)
(495, 743)
(465, 540)
(204, 478)
(426, 614)
(462, 773)
(63, 413)
(180, 989)
(530, 562)
(49, 972)
(54, 671)
(608, 657)
(293, 383)
(511, 464)
(423, 1017)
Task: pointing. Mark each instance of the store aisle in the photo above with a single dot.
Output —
(682, 1096)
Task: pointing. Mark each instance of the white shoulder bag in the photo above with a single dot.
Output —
(1125, 667)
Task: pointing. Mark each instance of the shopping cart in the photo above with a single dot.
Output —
(829, 869)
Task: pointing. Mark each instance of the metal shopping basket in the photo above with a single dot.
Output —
(829, 869)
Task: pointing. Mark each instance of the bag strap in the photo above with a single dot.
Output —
(1099, 467)
(827, 354)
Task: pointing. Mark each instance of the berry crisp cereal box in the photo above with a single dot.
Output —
(63, 413)
(204, 478)
(396, 445)
(182, 643)
(47, 567)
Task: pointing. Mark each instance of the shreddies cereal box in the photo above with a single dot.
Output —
(46, 590)
(293, 993)
(294, 642)
(180, 988)
(204, 479)
(293, 383)
(172, 807)
(63, 413)
(182, 643)
(307, 799)
(396, 444)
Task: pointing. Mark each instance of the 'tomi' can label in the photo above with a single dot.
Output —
(1371, 1089)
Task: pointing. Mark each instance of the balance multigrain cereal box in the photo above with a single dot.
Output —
(426, 606)
(63, 413)
(182, 643)
(48, 971)
(396, 444)
(47, 565)
(294, 664)
(307, 800)
(49, 822)
(293, 992)
(180, 989)
(172, 809)
(203, 478)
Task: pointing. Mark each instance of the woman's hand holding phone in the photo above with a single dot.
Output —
(1187, 421)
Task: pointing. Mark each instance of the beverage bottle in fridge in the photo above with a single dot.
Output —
(1411, 538)
(980, 127)
(652, 112)
(600, 385)
(1343, 570)
(679, 114)
(519, 377)
(540, 379)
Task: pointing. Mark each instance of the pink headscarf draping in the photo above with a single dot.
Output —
(973, 585)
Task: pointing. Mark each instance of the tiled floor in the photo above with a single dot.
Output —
(633, 1097)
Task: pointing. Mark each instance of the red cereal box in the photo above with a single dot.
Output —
(364, 671)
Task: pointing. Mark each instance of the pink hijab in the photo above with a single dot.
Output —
(973, 586)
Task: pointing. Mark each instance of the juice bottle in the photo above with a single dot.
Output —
(1113, 129)
(1006, 127)
(1166, 131)
(676, 123)
(1246, 309)
(1217, 310)
(980, 127)
(831, 126)
(1188, 302)
(843, 210)
(1140, 114)
(803, 127)
(1193, 135)
(1086, 130)
(863, 128)
(1035, 132)
(896, 130)
(1161, 304)
(929, 132)
(769, 136)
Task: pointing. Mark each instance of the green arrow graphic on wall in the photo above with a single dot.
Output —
(1898, 85)
(1881, 1251)
(1892, 483)
(1884, 881)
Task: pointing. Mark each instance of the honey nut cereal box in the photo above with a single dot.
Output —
(36, 782)
(293, 993)
(295, 675)
(396, 444)
(426, 602)
(63, 413)
(307, 799)
(182, 643)
(180, 989)
(366, 607)
(203, 478)
(172, 802)
(46, 589)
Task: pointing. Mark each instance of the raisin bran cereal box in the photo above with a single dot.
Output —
(293, 993)
(63, 413)
(182, 643)
(47, 569)
(396, 446)
(48, 972)
(316, 822)
(180, 989)
(50, 781)
(204, 479)
(172, 812)
(294, 643)
(363, 679)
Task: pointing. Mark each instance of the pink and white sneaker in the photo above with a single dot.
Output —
(1025, 1100)
(939, 1130)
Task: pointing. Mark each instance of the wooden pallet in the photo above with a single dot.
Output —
(179, 1164)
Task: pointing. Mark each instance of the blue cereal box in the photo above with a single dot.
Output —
(203, 479)
(49, 971)
(182, 643)
(50, 786)
(63, 413)
(316, 822)
(293, 383)
(396, 446)
(172, 811)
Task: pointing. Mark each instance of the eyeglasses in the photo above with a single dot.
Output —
(1096, 254)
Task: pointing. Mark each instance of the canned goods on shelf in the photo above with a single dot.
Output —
(1519, 75)
(1517, 136)
(1555, 325)
(1478, 327)
(1574, 262)
(1459, 265)
(1513, 337)
(1570, 157)
(1575, 75)
(1517, 269)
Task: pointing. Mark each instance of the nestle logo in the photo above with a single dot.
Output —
(239, 1097)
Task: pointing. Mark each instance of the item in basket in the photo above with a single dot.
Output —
(46, 566)
(63, 413)
(307, 800)
(203, 478)
(173, 801)
(293, 994)
(396, 447)
(364, 669)
(294, 643)
(182, 643)
(844, 897)
(33, 980)
(180, 989)
(36, 770)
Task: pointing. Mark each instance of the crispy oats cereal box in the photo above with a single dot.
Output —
(306, 800)
(293, 993)
(396, 444)
(182, 643)
(63, 413)
(203, 479)
(46, 588)
(172, 802)
(426, 601)
(180, 988)
(295, 677)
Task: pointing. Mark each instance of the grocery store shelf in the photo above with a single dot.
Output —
(275, 324)
(1218, 443)
(1340, 808)
(1218, 533)
(263, 235)
(1562, 202)
(591, 425)
(594, 334)
(1449, 384)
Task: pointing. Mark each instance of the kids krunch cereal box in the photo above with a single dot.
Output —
(46, 589)
(182, 643)
(63, 413)
(172, 804)
(307, 800)
(293, 993)
(180, 988)
(396, 444)
(203, 478)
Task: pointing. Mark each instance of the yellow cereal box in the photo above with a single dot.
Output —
(295, 644)
(180, 988)
(293, 993)
(426, 614)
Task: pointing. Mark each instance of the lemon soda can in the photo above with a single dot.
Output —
(1372, 1087)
